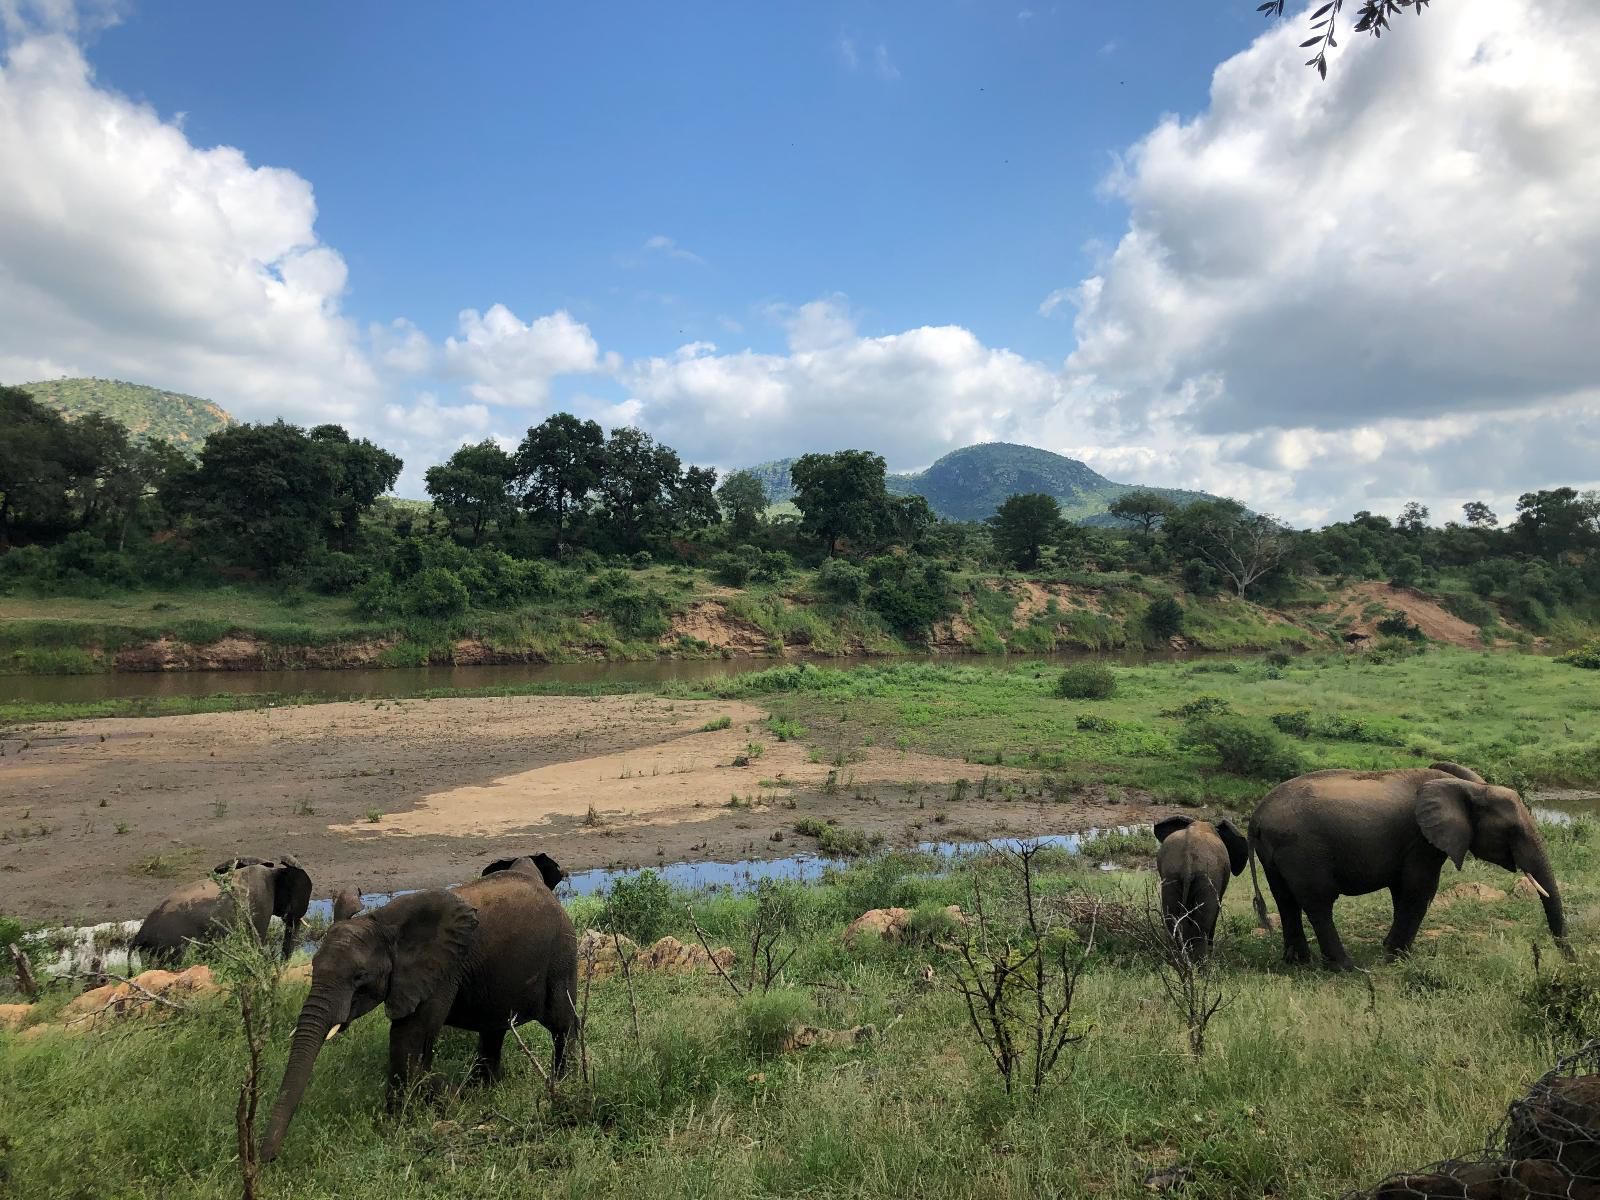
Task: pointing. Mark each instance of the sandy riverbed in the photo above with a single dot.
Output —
(402, 794)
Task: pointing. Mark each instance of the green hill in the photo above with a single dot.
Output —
(148, 412)
(971, 483)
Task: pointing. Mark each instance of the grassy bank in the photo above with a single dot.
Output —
(1310, 1083)
(1166, 727)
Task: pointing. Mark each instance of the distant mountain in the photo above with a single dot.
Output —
(148, 412)
(971, 483)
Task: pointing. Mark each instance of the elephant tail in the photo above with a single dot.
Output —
(1255, 884)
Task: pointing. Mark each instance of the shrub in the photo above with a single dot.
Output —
(334, 573)
(768, 1018)
(842, 580)
(909, 592)
(1204, 705)
(637, 614)
(836, 841)
(1392, 650)
(1586, 656)
(734, 570)
(772, 567)
(639, 906)
(1396, 624)
(1472, 609)
(640, 560)
(1086, 681)
(379, 596)
(1164, 618)
(1090, 723)
(1565, 1004)
(1243, 747)
(437, 592)
(930, 924)
(1303, 723)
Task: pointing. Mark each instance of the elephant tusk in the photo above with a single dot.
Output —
(1536, 886)
(332, 1033)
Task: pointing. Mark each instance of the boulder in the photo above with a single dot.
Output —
(597, 954)
(885, 924)
(804, 1037)
(1473, 893)
(669, 954)
(14, 1016)
(100, 999)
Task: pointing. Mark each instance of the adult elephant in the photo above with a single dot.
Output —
(255, 889)
(1346, 833)
(494, 953)
(1194, 862)
(549, 869)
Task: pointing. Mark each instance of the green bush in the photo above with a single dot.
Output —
(1564, 1005)
(837, 841)
(640, 907)
(909, 592)
(930, 924)
(335, 573)
(734, 570)
(842, 580)
(772, 567)
(636, 614)
(768, 1018)
(437, 592)
(1243, 747)
(1090, 723)
(1303, 723)
(1204, 705)
(1472, 609)
(1393, 650)
(640, 560)
(1396, 624)
(1086, 681)
(1586, 656)
(1164, 618)
(379, 596)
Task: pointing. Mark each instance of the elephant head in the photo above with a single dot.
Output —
(346, 904)
(397, 955)
(548, 869)
(1458, 815)
(291, 891)
(1238, 848)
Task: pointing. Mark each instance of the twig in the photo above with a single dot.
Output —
(143, 991)
(701, 934)
(26, 983)
(527, 1052)
(627, 979)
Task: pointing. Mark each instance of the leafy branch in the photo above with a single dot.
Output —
(1373, 18)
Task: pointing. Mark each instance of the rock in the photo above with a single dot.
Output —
(1475, 893)
(669, 954)
(156, 981)
(1166, 1179)
(886, 924)
(196, 981)
(597, 954)
(804, 1037)
(1525, 887)
(94, 1000)
(14, 1016)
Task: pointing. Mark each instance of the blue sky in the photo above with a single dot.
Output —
(1144, 235)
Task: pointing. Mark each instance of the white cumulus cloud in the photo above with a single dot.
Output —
(509, 362)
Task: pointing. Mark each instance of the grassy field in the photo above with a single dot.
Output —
(1522, 720)
(1310, 1082)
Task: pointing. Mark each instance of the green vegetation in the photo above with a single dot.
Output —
(147, 413)
(1169, 728)
(710, 1097)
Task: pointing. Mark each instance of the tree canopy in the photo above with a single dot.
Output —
(1024, 526)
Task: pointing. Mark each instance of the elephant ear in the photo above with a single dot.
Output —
(234, 864)
(1458, 771)
(498, 865)
(550, 869)
(1441, 809)
(1170, 826)
(291, 890)
(1238, 847)
(430, 933)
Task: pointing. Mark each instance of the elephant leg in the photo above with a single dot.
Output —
(1333, 952)
(411, 1043)
(486, 1066)
(291, 936)
(1412, 896)
(1295, 947)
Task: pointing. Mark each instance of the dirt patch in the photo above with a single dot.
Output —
(1034, 598)
(709, 621)
(1436, 623)
(953, 636)
(101, 819)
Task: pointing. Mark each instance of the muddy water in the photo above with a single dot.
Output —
(412, 681)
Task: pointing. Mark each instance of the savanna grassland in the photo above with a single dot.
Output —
(1309, 1083)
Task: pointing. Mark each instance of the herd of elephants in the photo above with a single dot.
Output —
(501, 950)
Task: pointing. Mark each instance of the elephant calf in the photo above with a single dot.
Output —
(1346, 833)
(260, 888)
(1194, 862)
(494, 953)
(346, 904)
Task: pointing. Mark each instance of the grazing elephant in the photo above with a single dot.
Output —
(1346, 833)
(494, 953)
(197, 912)
(346, 904)
(547, 867)
(1194, 862)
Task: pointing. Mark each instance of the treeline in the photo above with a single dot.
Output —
(83, 507)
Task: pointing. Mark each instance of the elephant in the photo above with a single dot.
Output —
(1346, 833)
(493, 953)
(203, 910)
(547, 867)
(346, 904)
(1194, 862)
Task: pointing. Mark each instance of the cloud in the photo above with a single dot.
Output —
(1415, 236)
(126, 251)
(401, 346)
(848, 54)
(884, 64)
(21, 19)
(1054, 300)
(1024, 15)
(662, 246)
(507, 362)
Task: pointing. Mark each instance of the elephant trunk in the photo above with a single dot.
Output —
(310, 1032)
(1533, 860)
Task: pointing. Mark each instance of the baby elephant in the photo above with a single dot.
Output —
(1194, 862)
(346, 904)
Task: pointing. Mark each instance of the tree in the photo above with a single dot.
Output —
(1240, 546)
(362, 471)
(558, 465)
(694, 499)
(1554, 522)
(1143, 508)
(473, 487)
(907, 518)
(840, 495)
(744, 500)
(1479, 515)
(637, 482)
(1024, 526)
(1413, 518)
(1373, 18)
(145, 473)
(44, 459)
